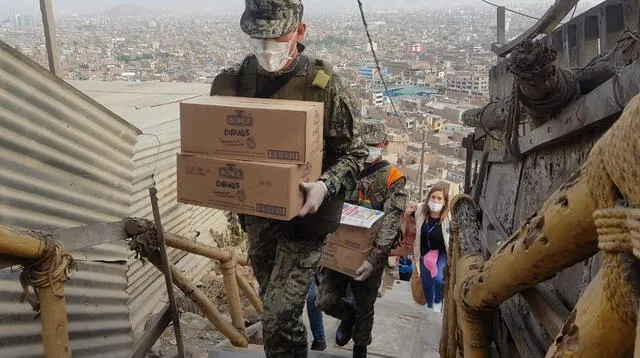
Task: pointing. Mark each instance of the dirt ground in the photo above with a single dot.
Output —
(199, 335)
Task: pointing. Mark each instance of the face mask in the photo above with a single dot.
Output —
(374, 153)
(435, 207)
(271, 55)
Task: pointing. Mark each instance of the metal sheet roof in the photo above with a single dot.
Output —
(154, 108)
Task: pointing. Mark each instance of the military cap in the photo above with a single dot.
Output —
(375, 132)
(270, 18)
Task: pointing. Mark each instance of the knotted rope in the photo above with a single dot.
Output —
(51, 270)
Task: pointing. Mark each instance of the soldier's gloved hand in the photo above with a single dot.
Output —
(314, 195)
(364, 271)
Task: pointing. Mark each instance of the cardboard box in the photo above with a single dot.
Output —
(256, 129)
(358, 227)
(343, 259)
(256, 188)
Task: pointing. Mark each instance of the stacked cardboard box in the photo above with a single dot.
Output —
(349, 246)
(249, 155)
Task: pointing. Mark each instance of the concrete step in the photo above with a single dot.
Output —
(255, 351)
(402, 329)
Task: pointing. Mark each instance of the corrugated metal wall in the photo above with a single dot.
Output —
(66, 161)
(154, 108)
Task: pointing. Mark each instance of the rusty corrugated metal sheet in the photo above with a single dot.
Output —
(154, 108)
(66, 161)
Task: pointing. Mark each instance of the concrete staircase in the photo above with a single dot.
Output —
(402, 329)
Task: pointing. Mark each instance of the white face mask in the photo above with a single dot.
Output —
(374, 153)
(272, 55)
(435, 207)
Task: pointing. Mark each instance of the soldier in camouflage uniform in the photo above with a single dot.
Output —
(284, 255)
(380, 187)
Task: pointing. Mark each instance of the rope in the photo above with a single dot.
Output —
(616, 227)
(379, 70)
(51, 270)
(514, 117)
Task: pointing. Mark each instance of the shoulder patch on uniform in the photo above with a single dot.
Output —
(321, 80)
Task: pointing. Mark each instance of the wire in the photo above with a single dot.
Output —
(510, 10)
(379, 70)
(574, 12)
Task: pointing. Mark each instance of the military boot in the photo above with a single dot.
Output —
(359, 351)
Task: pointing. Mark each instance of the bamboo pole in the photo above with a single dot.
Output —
(18, 244)
(55, 330)
(449, 342)
(560, 235)
(233, 294)
(208, 309)
(198, 248)
(602, 323)
(248, 290)
(474, 325)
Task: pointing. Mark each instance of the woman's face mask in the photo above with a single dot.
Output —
(435, 207)
(272, 55)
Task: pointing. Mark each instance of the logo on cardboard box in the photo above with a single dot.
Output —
(240, 118)
(231, 171)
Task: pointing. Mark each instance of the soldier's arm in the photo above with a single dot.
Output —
(394, 206)
(344, 140)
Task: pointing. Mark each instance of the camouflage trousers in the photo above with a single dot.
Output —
(284, 260)
(332, 300)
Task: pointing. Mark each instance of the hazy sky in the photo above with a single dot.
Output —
(67, 7)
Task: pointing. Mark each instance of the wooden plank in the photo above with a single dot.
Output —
(600, 104)
(53, 52)
(546, 24)
(467, 143)
(493, 220)
(482, 173)
(527, 347)
(152, 332)
(547, 309)
(78, 238)
(496, 156)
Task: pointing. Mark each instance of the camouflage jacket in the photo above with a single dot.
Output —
(382, 190)
(344, 148)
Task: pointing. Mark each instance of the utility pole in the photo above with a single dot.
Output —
(46, 7)
(424, 140)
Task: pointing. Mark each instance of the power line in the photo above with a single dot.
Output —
(510, 10)
(379, 70)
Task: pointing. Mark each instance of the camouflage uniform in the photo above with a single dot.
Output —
(285, 254)
(381, 187)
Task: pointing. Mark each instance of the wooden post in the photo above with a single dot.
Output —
(164, 267)
(18, 244)
(46, 8)
(501, 25)
(421, 174)
(53, 314)
(207, 308)
(248, 290)
(233, 294)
